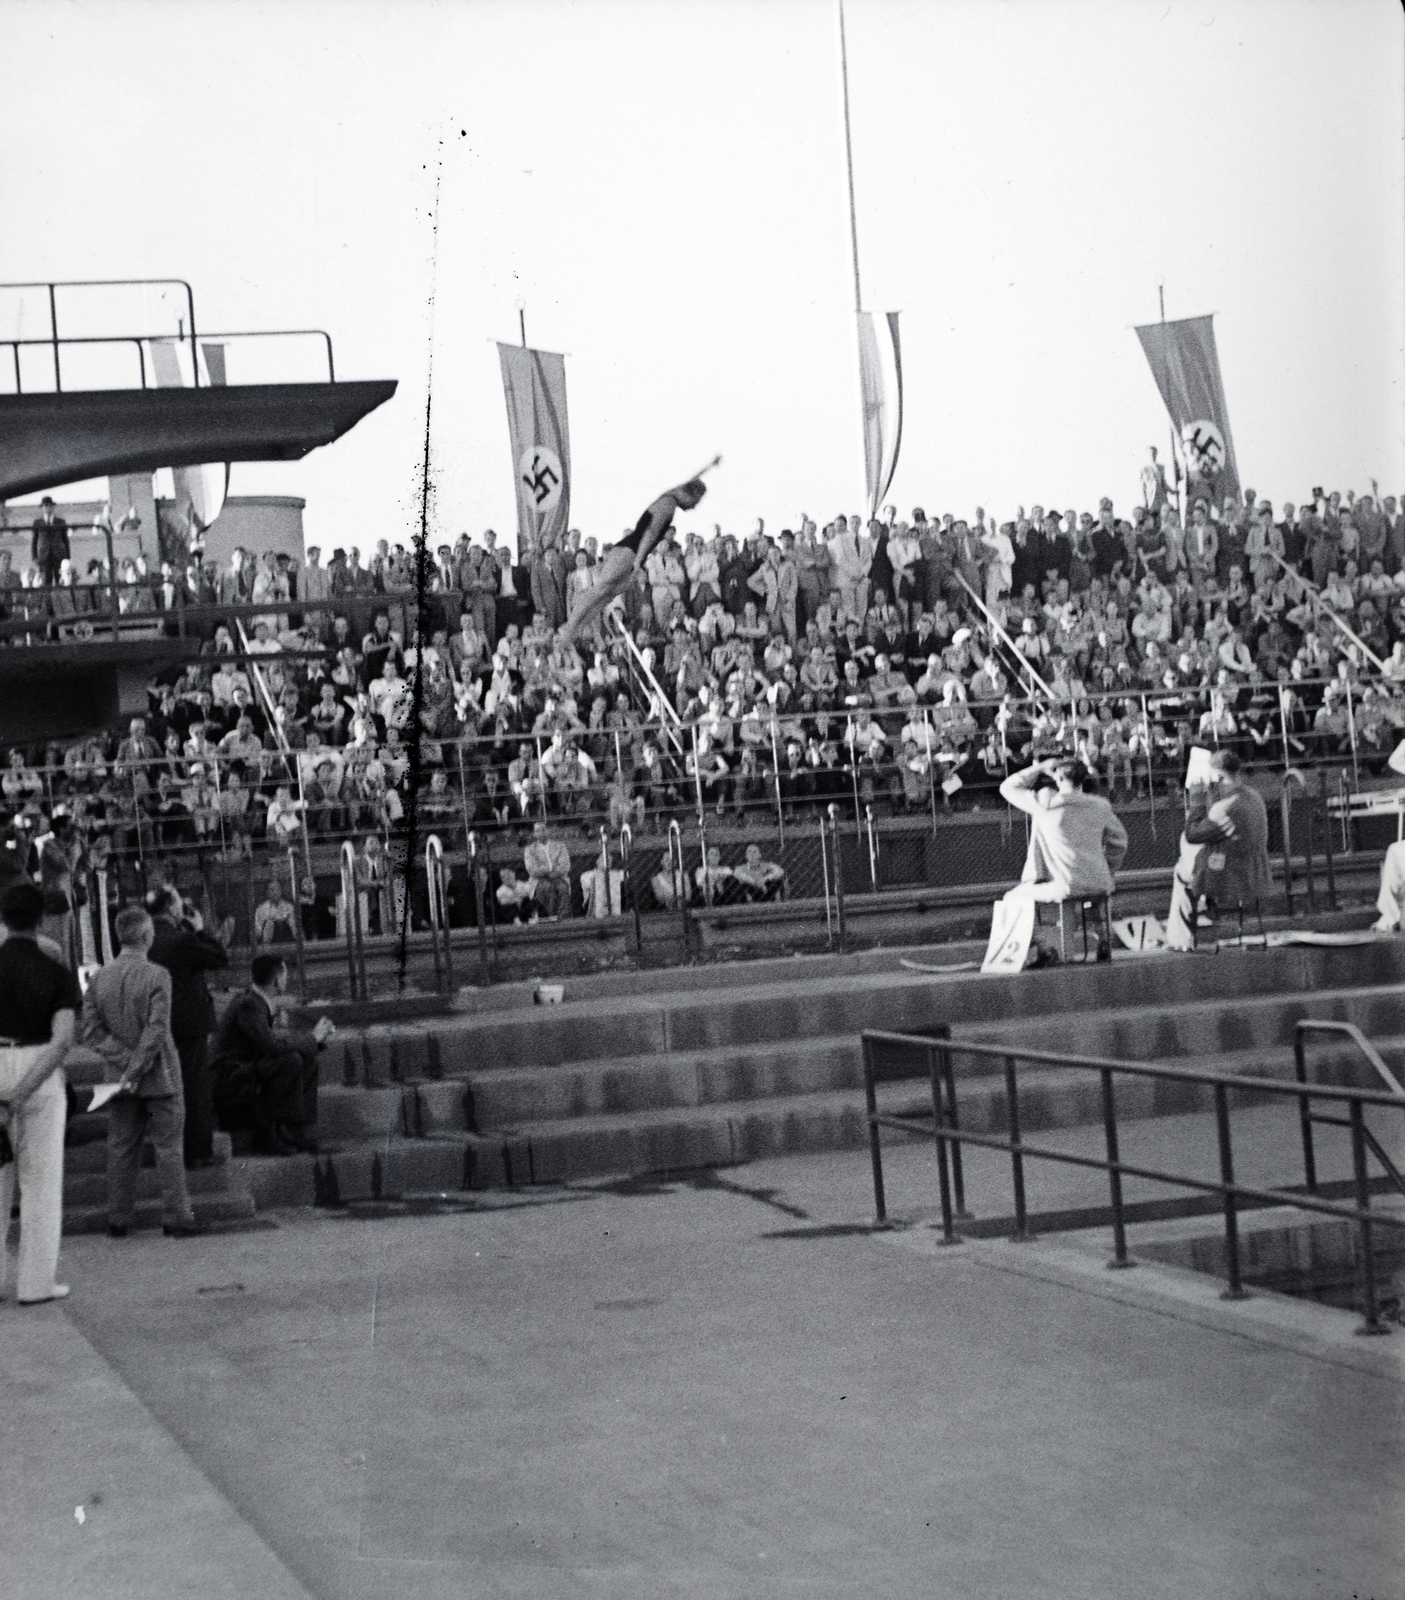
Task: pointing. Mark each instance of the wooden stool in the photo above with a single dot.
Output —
(1101, 907)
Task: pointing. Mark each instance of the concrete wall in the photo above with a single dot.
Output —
(256, 522)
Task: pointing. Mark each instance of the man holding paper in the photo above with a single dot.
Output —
(127, 1021)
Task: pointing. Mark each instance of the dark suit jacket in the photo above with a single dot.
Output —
(246, 1035)
(188, 956)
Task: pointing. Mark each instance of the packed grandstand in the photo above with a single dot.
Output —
(902, 667)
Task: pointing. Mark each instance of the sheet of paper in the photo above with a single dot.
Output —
(103, 1093)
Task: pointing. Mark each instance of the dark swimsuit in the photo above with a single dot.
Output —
(630, 541)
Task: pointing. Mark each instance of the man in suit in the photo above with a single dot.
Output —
(267, 1079)
(852, 556)
(49, 544)
(187, 952)
(127, 1020)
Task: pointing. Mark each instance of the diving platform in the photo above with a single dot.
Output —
(51, 439)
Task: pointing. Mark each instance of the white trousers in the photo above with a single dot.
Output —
(1392, 891)
(36, 1132)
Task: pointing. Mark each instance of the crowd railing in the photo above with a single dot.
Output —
(640, 835)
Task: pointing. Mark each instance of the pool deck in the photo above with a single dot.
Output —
(715, 1385)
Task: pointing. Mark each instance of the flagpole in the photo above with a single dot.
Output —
(1175, 464)
(849, 159)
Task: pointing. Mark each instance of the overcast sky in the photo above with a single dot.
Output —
(661, 185)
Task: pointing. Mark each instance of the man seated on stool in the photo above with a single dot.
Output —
(267, 1079)
(1076, 841)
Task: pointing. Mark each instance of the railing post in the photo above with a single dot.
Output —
(1120, 1257)
(1236, 1290)
(627, 853)
(838, 878)
(1285, 810)
(938, 1135)
(872, 851)
(824, 869)
(1305, 1111)
(54, 328)
(1012, 1106)
(1370, 1307)
(953, 1122)
(1327, 852)
(870, 1094)
(477, 872)
(297, 923)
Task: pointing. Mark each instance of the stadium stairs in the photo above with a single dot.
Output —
(715, 1066)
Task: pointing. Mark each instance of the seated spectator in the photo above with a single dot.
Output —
(548, 864)
(716, 883)
(273, 920)
(265, 1076)
(516, 898)
(757, 879)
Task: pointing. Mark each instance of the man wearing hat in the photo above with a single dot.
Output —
(48, 548)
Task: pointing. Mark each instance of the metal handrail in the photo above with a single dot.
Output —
(437, 888)
(106, 283)
(627, 861)
(669, 719)
(1350, 1031)
(949, 1138)
(355, 944)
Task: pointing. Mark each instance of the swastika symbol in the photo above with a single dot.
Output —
(540, 472)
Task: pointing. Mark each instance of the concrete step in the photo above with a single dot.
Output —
(235, 1205)
(728, 1133)
(739, 1013)
(372, 1169)
(1206, 1024)
(89, 1154)
(90, 1188)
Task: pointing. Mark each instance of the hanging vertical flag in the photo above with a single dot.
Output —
(534, 382)
(1186, 367)
(881, 387)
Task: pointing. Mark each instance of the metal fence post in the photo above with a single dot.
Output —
(875, 1152)
(953, 1122)
(938, 1131)
(1012, 1108)
(1236, 1290)
(1371, 1310)
(1120, 1257)
(838, 878)
(1305, 1112)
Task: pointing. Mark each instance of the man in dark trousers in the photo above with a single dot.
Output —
(48, 548)
(187, 952)
(266, 1079)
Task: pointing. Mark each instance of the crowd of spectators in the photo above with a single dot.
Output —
(908, 664)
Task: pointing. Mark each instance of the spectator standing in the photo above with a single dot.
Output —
(39, 1005)
(127, 1020)
(183, 947)
(48, 546)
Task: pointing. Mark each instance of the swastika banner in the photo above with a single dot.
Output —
(1186, 367)
(534, 383)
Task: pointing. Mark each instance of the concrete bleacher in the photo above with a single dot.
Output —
(713, 1066)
